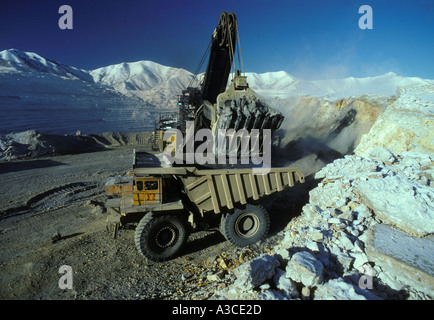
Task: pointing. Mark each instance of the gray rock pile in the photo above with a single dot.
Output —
(34, 144)
(23, 144)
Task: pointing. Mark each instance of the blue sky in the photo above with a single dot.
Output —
(310, 39)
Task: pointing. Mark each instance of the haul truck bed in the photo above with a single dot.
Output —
(223, 189)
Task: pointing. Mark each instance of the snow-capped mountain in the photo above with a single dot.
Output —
(140, 75)
(283, 85)
(150, 81)
(13, 60)
(38, 93)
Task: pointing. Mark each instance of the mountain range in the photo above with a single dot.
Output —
(39, 93)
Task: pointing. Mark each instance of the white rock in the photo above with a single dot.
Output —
(283, 254)
(345, 261)
(305, 268)
(405, 261)
(345, 241)
(383, 154)
(349, 167)
(287, 286)
(264, 287)
(354, 231)
(338, 289)
(334, 220)
(360, 259)
(335, 249)
(287, 240)
(362, 212)
(273, 295)
(317, 236)
(407, 204)
(358, 246)
(328, 194)
(254, 272)
(312, 246)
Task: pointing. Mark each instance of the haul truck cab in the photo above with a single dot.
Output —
(147, 191)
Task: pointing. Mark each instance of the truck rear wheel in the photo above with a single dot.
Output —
(246, 226)
(160, 238)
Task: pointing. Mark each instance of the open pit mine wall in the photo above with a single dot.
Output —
(329, 128)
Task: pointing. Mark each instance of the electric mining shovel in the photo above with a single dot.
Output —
(214, 105)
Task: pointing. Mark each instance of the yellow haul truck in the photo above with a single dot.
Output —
(167, 203)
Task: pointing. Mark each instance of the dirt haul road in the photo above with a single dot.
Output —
(53, 214)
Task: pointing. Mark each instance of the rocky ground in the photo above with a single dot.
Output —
(367, 231)
(361, 227)
(53, 214)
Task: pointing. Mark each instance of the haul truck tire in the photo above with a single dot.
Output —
(246, 226)
(160, 237)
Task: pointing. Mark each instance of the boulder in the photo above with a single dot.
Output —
(305, 268)
(256, 271)
(285, 285)
(406, 261)
(406, 204)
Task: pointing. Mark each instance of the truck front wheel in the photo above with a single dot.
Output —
(246, 226)
(160, 238)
